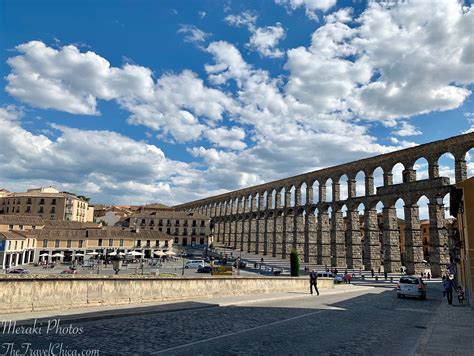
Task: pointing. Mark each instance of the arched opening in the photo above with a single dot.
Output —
(273, 198)
(379, 208)
(378, 177)
(421, 168)
(315, 192)
(360, 184)
(470, 162)
(263, 203)
(329, 197)
(397, 173)
(446, 166)
(400, 209)
(282, 196)
(424, 226)
(303, 193)
(343, 187)
(293, 198)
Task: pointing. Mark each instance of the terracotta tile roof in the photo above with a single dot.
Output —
(65, 224)
(11, 235)
(7, 219)
(165, 214)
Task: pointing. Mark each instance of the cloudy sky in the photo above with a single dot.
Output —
(170, 101)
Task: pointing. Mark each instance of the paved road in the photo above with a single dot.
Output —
(354, 323)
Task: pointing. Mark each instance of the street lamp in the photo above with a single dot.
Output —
(182, 257)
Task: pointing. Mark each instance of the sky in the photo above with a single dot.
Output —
(133, 102)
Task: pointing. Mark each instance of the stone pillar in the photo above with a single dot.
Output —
(391, 241)
(227, 234)
(439, 250)
(298, 196)
(278, 199)
(460, 169)
(338, 240)
(254, 203)
(354, 241)
(336, 191)
(271, 243)
(369, 185)
(267, 233)
(278, 232)
(413, 243)
(218, 231)
(371, 240)
(239, 234)
(351, 188)
(246, 234)
(261, 233)
(234, 232)
(288, 233)
(409, 175)
(322, 192)
(253, 230)
(433, 169)
(269, 201)
(310, 237)
(387, 178)
(323, 239)
(299, 236)
(309, 194)
(287, 198)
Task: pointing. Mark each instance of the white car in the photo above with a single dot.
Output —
(337, 279)
(194, 264)
(412, 286)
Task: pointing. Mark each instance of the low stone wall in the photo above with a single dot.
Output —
(27, 294)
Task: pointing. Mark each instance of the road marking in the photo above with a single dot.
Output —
(236, 333)
(414, 310)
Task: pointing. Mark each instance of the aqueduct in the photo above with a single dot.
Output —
(272, 218)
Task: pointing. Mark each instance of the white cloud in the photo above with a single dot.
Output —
(311, 6)
(407, 129)
(192, 34)
(245, 19)
(202, 14)
(265, 41)
(227, 137)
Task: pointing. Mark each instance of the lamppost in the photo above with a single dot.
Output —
(182, 257)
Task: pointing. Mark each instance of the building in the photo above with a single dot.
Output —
(109, 215)
(47, 203)
(17, 246)
(462, 206)
(188, 229)
(78, 241)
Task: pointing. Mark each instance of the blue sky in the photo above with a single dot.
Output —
(142, 101)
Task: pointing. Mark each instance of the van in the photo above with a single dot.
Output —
(194, 264)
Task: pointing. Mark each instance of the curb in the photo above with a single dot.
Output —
(165, 308)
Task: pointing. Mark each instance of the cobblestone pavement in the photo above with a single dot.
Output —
(371, 322)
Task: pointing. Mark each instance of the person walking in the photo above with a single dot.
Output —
(373, 272)
(448, 288)
(313, 282)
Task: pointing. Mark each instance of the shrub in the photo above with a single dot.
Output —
(295, 264)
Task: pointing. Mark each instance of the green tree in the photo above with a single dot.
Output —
(295, 263)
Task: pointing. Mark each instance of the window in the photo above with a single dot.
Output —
(33, 227)
(176, 240)
(185, 231)
(176, 231)
(160, 223)
(53, 210)
(121, 242)
(139, 243)
(111, 242)
(9, 245)
(42, 202)
(28, 201)
(203, 223)
(53, 202)
(194, 223)
(168, 230)
(22, 245)
(201, 241)
(16, 245)
(147, 243)
(56, 244)
(20, 227)
(80, 243)
(28, 210)
(166, 243)
(99, 243)
(45, 243)
(41, 210)
(68, 244)
(10, 227)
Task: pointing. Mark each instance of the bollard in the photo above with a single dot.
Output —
(376, 278)
(391, 279)
(363, 277)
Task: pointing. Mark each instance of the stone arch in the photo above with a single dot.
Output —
(397, 173)
(421, 168)
(377, 175)
(302, 189)
(446, 166)
(360, 183)
(329, 195)
(343, 187)
(292, 190)
(315, 186)
(470, 162)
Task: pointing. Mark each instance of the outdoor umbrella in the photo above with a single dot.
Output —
(79, 254)
(113, 253)
(159, 253)
(170, 253)
(92, 253)
(57, 255)
(44, 254)
(135, 253)
(122, 253)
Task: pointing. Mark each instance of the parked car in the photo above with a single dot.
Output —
(337, 279)
(241, 265)
(411, 286)
(205, 269)
(194, 264)
(88, 264)
(18, 270)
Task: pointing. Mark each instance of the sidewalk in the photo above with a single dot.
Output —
(160, 307)
(450, 331)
